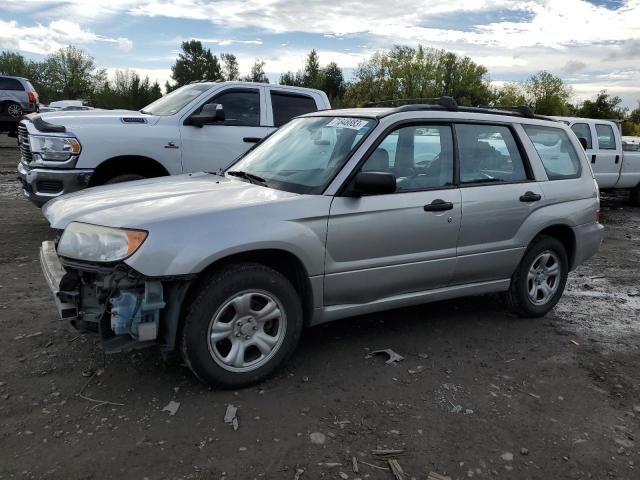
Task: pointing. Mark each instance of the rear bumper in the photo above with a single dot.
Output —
(588, 240)
(41, 184)
(53, 272)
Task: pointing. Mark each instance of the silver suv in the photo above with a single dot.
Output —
(338, 213)
(17, 97)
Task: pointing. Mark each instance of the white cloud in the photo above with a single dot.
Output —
(43, 39)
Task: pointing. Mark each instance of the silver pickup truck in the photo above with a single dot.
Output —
(338, 213)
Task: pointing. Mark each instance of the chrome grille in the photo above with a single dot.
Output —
(23, 142)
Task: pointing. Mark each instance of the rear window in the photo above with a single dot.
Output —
(556, 151)
(10, 84)
(287, 106)
(606, 138)
(582, 130)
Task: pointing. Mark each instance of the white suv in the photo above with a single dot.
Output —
(202, 126)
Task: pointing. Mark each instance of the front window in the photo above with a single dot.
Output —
(176, 100)
(304, 155)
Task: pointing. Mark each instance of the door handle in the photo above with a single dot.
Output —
(251, 139)
(438, 205)
(617, 158)
(530, 197)
(593, 158)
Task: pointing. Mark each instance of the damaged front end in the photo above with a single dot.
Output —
(128, 311)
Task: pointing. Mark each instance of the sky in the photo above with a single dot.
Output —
(592, 45)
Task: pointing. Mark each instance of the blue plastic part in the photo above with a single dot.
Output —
(131, 310)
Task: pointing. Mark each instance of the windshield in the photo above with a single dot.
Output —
(305, 154)
(176, 100)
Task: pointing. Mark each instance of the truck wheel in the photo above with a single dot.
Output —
(634, 196)
(14, 110)
(245, 320)
(538, 282)
(126, 177)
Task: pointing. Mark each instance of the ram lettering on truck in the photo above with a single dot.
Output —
(202, 126)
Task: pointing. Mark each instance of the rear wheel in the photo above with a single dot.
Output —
(126, 177)
(244, 322)
(539, 281)
(14, 110)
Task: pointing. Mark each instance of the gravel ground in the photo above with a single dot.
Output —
(479, 394)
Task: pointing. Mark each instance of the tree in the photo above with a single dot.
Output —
(257, 73)
(13, 64)
(195, 63)
(604, 106)
(548, 94)
(230, 66)
(312, 74)
(333, 81)
(509, 95)
(408, 72)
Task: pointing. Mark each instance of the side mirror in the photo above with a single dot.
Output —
(210, 113)
(583, 142)
(374, 183)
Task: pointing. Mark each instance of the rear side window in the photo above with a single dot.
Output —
(488, 154)
(287, 106)
(582, 130)
(10, 84)
(606, 138)
(556, 151)
(241, 107)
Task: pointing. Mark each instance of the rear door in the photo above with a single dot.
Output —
(214, 146)
(380, 246)
(608, 155)
(283, 106)
(498, 193)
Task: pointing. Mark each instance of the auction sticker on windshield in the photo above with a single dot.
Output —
(346, 122)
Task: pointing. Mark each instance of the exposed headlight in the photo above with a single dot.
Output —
(54, 148)
(93, 243)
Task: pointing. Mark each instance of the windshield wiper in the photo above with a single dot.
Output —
(255, 179)
(145, 112)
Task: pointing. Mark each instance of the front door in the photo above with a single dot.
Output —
(212, 147)
(380, 246)
(498, 194)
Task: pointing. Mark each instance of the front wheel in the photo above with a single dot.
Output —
(244, 322)
(538, 283)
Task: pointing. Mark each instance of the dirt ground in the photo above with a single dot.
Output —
(479, 394)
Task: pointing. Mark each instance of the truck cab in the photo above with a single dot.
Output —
(614, 166)
(66, 151)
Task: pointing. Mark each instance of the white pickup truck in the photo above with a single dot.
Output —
(202, 126)
(615, 164)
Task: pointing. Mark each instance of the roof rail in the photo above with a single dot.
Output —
(447, 102)
(524, 110)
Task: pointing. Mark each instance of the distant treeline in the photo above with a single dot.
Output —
(401, 72)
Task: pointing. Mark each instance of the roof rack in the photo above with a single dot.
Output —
(447, 102)
(524, 110)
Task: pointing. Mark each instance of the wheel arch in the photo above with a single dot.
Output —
(282, 261)
(565, 235)
(124, 164)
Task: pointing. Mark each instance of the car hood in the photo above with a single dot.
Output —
(142, 203)
(72, 119)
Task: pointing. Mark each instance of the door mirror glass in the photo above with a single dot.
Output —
(210, 113)
(374, 183)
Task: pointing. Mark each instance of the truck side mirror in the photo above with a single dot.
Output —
(210, 113)
(583, 142)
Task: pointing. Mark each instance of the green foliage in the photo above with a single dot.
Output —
(604, 106)
(509, 95)
(329, 79)
(257, 73)
(407, 72)
(195, 63)
(127, 91)
(548, 94)
(230, 68)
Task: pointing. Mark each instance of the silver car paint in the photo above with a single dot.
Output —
(374, 258)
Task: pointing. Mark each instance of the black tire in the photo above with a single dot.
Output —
(210, 299)
(634, 196)
(517, 297)
(126, 177)
(13, 109)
